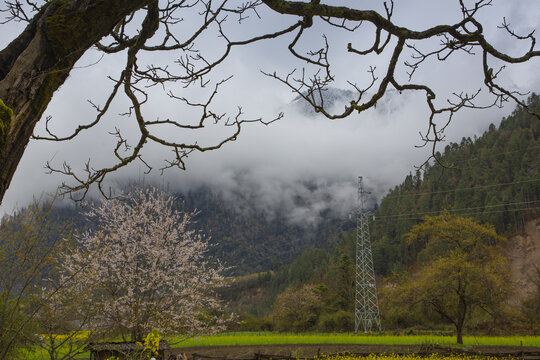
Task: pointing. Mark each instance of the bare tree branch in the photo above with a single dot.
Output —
(151, 26)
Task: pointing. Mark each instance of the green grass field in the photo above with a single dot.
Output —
(266, 338)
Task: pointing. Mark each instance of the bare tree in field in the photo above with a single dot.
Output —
(62, 320)
(59, 32)
(143, 269)
(29, 246)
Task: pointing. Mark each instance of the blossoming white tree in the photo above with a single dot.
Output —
(144, 269)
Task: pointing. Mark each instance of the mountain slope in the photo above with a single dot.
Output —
(246, 241)
(252, 241)
(524, 256)
(494, 178)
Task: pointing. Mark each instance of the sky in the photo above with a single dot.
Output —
(271, 167)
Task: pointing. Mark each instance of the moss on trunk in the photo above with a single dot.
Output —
(6, 117)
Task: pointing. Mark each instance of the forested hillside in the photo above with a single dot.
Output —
(494, 178)
(253, 240)
(245, 241)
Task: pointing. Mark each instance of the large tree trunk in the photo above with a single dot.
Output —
(38, 62)
(462, 313)
(459, 330)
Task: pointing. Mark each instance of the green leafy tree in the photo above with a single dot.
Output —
(493, 178)
(310, 265)
(297, 309)
(29, 247)
(463, 269)
(342, 283)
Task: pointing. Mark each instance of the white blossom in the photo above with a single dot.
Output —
(144, 269)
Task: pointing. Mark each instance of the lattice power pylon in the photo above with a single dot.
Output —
(366, 303)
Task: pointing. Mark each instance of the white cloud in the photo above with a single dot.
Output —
(272, 166)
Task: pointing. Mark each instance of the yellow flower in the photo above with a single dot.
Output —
(151, 342)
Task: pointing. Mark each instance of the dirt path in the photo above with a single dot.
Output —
(311, 350)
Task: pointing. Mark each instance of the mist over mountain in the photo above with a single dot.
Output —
(319, 177)
(332, 98)
(335, 100)
(281, 189)
(246, 237)
(254, 239)
(493, 178)
(273, 168)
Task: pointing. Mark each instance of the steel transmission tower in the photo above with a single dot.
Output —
(366, 303)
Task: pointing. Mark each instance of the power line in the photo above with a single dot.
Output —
(471, 210)
(474, 213)
(461, 209)
(462, 189)
(476, 166)
(500, 211)
(456, 210)
(501, 153)
(477, 187)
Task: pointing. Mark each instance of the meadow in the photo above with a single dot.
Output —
(268, 338)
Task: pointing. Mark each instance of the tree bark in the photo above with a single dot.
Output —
(462, 313)
(37, 63)
(459, 330)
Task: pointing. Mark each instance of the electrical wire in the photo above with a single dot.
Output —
(463, 189)
(468, 208)
(495, 155)
(470, 213)
(451, 167)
